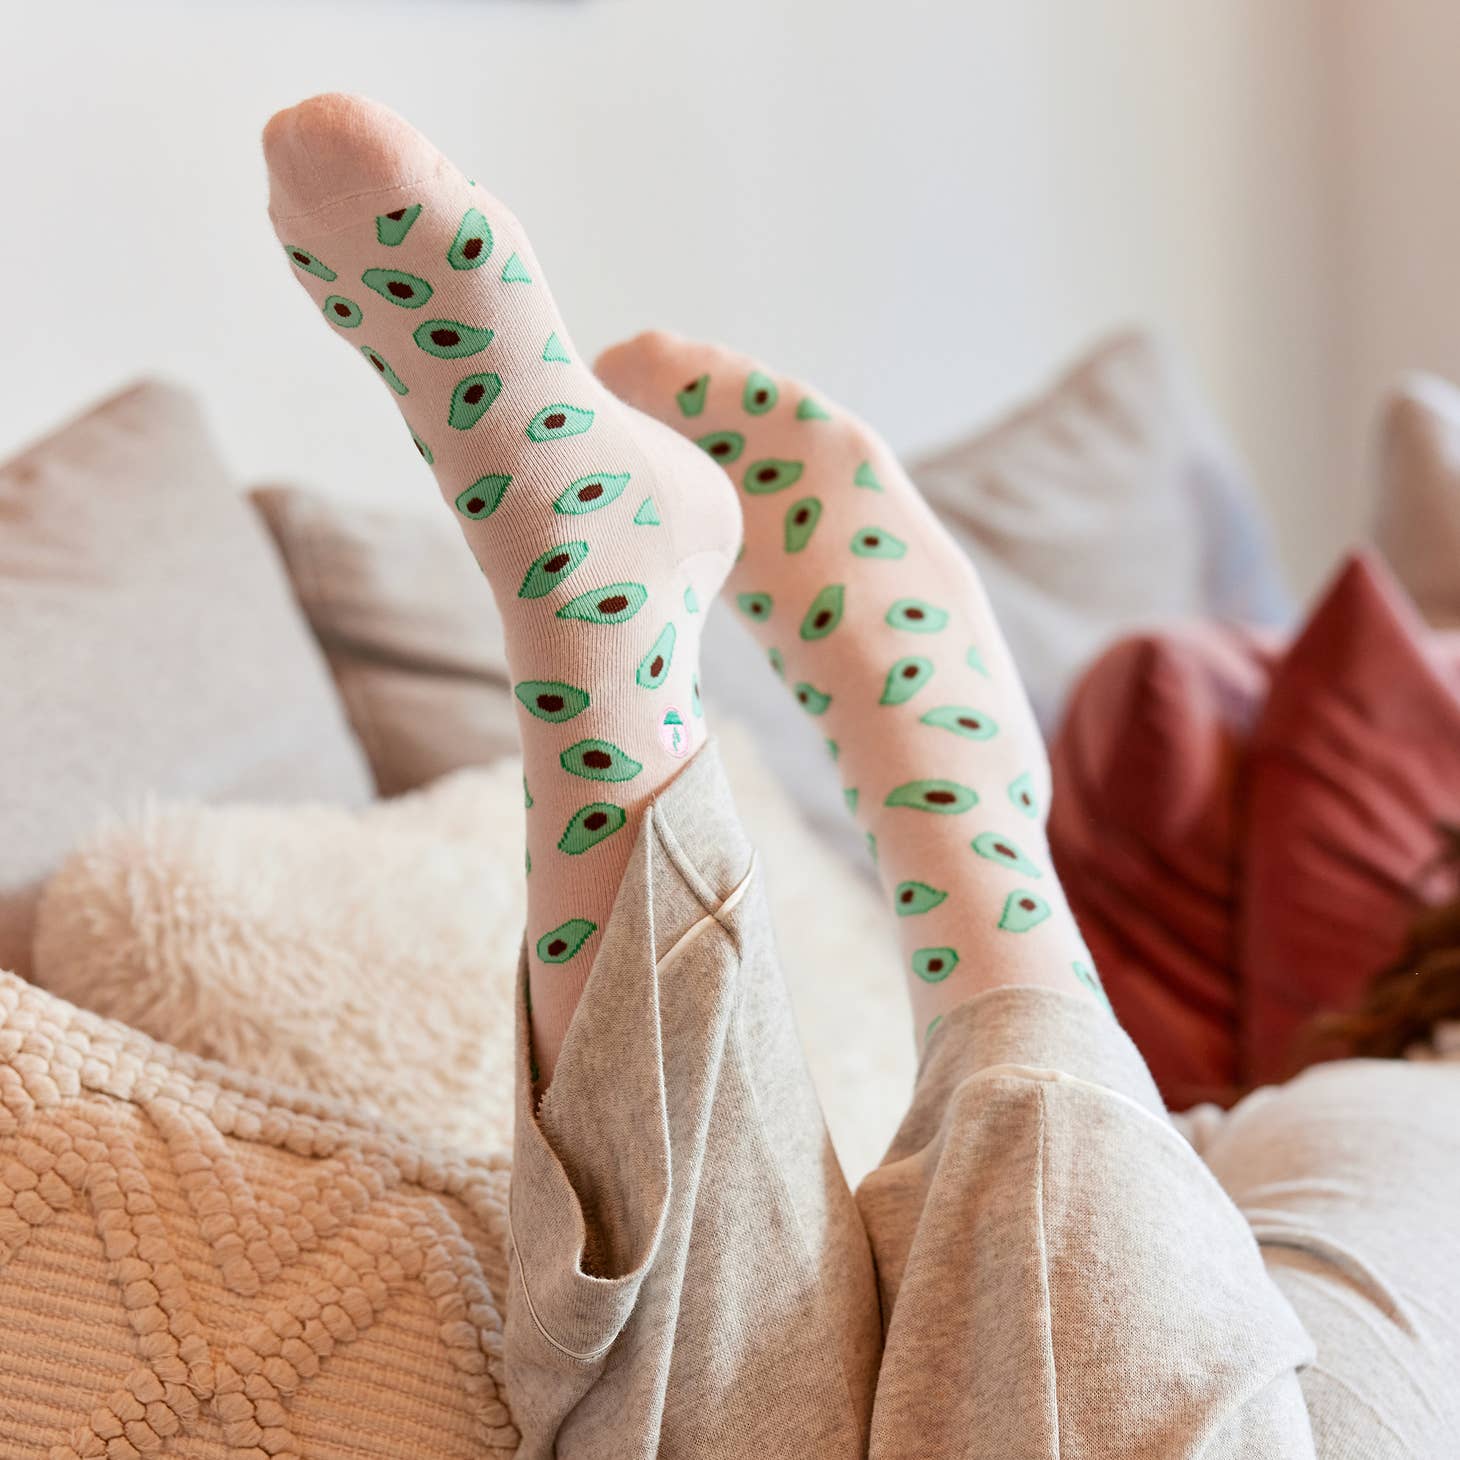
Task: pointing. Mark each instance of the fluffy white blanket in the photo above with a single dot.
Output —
(370, 955)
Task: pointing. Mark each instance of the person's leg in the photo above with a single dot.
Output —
(1060, 1274)
(689, 1274)
(1350, 1179)
(600, 533)
(881, 630)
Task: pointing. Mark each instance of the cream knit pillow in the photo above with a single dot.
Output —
(195, 1263)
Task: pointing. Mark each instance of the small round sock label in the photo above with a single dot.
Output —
(675, 734)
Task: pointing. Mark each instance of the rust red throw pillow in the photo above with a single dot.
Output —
(1354, 765)
(1145, 829)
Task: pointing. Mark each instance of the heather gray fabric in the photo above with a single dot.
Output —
(1350, 1179)
(689, 1275)
(1043, 1265)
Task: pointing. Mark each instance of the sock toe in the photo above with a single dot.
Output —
(637, 370)
(332, 148)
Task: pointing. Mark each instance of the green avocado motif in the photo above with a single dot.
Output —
(301, 258)
(760, 394)
(877, 542)
(810, 410)
(755, 605)
(483, 497)
(590, 493)
(811, 699)
(599, 760)
(591, 824)
(777, 663)
(691, 602)
(514, 271)
(551, 699)
(916, 616)
(911, 898)
(427, 455)
(724, 446)
(771, 475)
(647, 515)
(342, 312)
(1091, 980)
(615, 603)
(406, 290)
(564, 942)
(472, 246)
(851, 795)
(654, 666)
(975, 662)
(1021, 793)
(801, 520)
(1022, 911)
(866, 477)
(905, 679)
(961, 720)
(557, 423)
(692, 398)
(449, 339)
(947, 798)
(391, 228)
(554, 353)
(548, 570)
(825, 612)
(998, 848)
(386, 373)
(472, 399)
(933, 965)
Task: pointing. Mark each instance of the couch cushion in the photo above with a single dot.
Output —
(1418, 520)
(409, 628)
(1354, 769)
(196, 1262)
(148, 643)
(1109, 503)
(1145, 827)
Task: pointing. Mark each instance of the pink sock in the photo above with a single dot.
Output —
(878, 624)
(603, 535)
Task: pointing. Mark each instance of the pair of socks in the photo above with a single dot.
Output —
(605, 533)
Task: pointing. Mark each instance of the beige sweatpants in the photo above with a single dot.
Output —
(1042, 1266)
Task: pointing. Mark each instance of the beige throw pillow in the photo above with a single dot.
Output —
(408, 625)
(1110, 502)
(148, 643)
(1417, 525)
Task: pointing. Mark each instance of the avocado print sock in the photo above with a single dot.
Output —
(878, 624)
(603, 535)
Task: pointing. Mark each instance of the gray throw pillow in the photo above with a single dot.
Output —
(149, 644)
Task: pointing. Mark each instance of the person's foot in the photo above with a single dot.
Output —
(604, 536)
(878, 624)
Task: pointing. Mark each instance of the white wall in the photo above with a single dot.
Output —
(1396, 106)
(923, 205)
